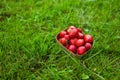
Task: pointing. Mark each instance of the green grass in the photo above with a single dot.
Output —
(28, 49)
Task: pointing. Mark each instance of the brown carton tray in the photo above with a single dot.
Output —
(73, 54)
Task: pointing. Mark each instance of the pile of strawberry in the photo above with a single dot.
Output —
(75, 41)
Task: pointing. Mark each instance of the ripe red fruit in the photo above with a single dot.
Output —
(88, 46)
(71, 27)
(88, 38)
(63, 41)
(79, 42)
(73, 33)
(81, 50)
(72, 41)
(62, 34)
(67, 37)
(80, 35)
(72, 48)
(79, 30)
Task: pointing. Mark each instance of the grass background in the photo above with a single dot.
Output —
(28, 49)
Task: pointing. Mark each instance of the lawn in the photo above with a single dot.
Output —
(28, 49)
